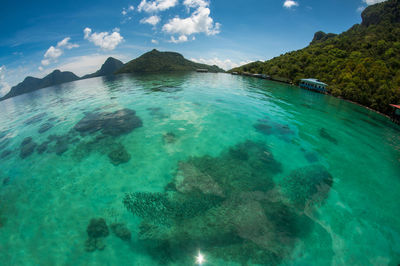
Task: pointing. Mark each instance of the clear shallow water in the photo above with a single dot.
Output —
(241, 169)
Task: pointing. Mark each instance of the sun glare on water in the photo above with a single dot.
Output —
(200, 259)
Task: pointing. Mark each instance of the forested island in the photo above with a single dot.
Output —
(361, 64)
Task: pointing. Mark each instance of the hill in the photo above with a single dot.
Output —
(110, 66)
(156, 61)
(361, 64)
(31, 84)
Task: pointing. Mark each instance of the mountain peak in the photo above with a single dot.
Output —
(385, 12)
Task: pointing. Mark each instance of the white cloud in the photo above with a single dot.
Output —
(153, 20)
(40, 68)
(4, 87)
(182, 38)
(372, 2)
(199, 22)
(290, 3)
(104, 40)
(65, 43)
(125, 11)
(226, 64)
(156, 5)
(53, 53)
(360, 8)
(154, 41)
(196, 3)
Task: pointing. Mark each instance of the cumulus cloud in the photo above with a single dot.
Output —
(65, 43)
(53, 53)
(199, 22)
(4, 87)
(153, 20)
(156, 5)
(105, 40)
(372, 2)
(196, 3)
(182, 38)
(224, 64)
(290, 3)
(154, 41)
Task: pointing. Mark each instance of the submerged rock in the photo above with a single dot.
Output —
(35, 119)
(114, 124)
(97, 228)
(5, 154)
(324, 134)
(93, 244)
(119, 155)
(121, 231)
(169, 137)
(4, 143)
(45, 127)
(27, 147)
(268, 127)
(42, 147)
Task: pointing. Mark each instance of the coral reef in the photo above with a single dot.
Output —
(229, 205)
(119, 155)
(114, 124)
(5, 154)
(27, 147)
(268, 127)
(307, 186)
(121, 231)
(45, 127)
(35, 119)
(96, 230)
(169, 138)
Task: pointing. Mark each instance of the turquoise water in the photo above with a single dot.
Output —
(242, 170)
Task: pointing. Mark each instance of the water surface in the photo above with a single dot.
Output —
(245, 171)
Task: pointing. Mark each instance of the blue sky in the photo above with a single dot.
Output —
(40, 36)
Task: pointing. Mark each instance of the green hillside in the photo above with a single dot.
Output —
(156, 61)
(361, 64)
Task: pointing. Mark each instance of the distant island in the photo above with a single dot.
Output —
(153, 61)
(361, 64)
(156, 61)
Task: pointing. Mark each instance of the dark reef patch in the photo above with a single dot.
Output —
(119, 155)
(308, 186)
(4, 144)
(27, 147)
(311, 157)
(35, 119)
(268, 127)
(227, 204)
(323, 133)
(157, 112)
(96, 230)
(169, 138)
(5, 154)
(121, 231)
(114, 124)
(45, 127)
(42, 147)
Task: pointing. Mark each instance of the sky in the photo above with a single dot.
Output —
(37, 37)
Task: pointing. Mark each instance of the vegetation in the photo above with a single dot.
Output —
(31, 84)
(361, 64)
(156, 61)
